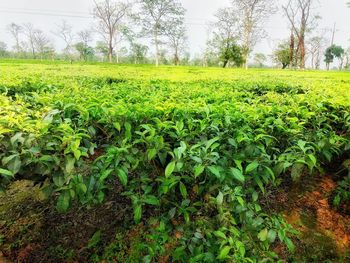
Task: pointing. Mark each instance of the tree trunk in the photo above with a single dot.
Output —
(110, 49)
(291, 49)
(302, 52)
(176, 58)
(156, 45)
(246, 57)
(341, 63)
(225, 63)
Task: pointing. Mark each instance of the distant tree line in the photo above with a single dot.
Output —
(121, 28)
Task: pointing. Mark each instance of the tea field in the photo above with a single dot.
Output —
(111, 163)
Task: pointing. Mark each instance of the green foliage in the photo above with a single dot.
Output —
(332, 52)
(231, 52)
(200, 147)
(86, 51)
(281, 55)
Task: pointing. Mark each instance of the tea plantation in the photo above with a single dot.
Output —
(176, 164)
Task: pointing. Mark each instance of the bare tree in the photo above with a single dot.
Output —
(176, 37)
(42, 43)
(347, 58)
(315, 46)
(15, 30)
(110, 17)
(253, 14)
(29, 31)
(154, 17)
(226, 25)
(85, 36)
(65, 32)
(300, 17)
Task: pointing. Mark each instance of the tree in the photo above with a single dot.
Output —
(102, 48)
(300, 18)
(315, 46)
(332, 52)
(281, 54)
(83, 47)
(65, 32)
(252, 15)
(29, 31)
(225, 37)
(110, 17)
(84, 51)
(347, 58)
(42, 44)
(176, 37)
(3, 49)
(154, 17)
(138, 53)
(259, 59)
(15, 30)
(231, 53)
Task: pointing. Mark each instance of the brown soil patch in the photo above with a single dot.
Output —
(307, 207)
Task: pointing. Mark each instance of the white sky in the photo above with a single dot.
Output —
(199, 13)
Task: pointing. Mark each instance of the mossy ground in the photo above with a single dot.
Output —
(32, 231)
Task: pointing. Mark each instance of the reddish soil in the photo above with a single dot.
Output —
(307, 206)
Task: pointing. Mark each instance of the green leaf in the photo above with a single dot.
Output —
(123, 177)
(214, 170)
(240, 200)
(220, 234)
(313, 159)
(6, 172)
(263, 234)
(137, 213)
(151, 200)
(117, 126)
(220, 199)
(69, 164)
(77, 154)
(105, 174)
(58, 180)
(151, 154)
(255, 196)
(271, 236)
(259, 183)
(237, 174)
(198, 170)
(251, 167)
(95, 239)
(183, 190)
(63, 202)
(82, 188)
(289, 244)
(15, 165)
(224, 252)
(169, 169)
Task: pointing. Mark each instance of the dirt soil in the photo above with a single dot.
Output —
(324, 231)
